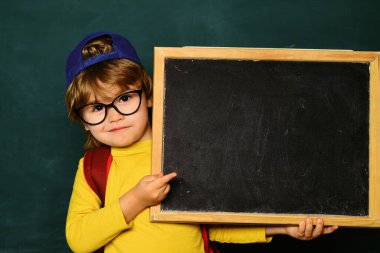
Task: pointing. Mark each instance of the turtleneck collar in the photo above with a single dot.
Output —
(135, 148)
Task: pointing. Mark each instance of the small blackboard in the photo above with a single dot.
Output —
(259, 137)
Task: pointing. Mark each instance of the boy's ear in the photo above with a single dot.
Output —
(149, 102)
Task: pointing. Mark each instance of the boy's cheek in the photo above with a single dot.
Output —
(95, 130)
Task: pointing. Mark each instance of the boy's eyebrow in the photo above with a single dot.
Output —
(108, 99)
(100, 99)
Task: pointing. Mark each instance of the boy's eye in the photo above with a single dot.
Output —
(97, 107)
(124, 98)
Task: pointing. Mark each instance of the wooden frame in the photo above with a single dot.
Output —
(372, 220)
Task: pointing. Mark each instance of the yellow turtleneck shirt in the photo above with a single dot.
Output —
(90, 227)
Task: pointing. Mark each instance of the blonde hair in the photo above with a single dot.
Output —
(122, 73)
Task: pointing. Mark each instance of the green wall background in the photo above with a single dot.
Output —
(40, 149)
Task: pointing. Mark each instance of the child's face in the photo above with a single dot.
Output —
(118, 130)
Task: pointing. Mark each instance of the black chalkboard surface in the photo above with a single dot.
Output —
(267, 136)
(273, 137)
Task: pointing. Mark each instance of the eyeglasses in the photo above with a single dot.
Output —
(126, 104)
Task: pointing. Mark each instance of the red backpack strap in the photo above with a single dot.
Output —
(210, 247)
(96, 165)
(205, 238)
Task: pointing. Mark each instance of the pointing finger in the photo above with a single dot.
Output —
(165, 179)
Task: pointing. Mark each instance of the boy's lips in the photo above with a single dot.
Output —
(118, 128)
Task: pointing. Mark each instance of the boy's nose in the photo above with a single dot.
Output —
(113, 115)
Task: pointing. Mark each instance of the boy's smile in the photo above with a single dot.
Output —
(117, 129)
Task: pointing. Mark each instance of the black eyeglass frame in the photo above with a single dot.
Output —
(77, 110)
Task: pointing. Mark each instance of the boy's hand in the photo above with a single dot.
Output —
(151, 190)
(304, 231)
(307, 231)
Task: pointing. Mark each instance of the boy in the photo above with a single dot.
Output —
(110, 93)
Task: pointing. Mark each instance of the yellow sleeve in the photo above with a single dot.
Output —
(238, 234)
(89, 227)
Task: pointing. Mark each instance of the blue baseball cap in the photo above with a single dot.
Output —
(122, 49)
